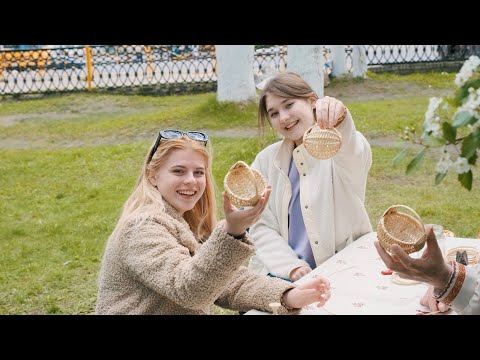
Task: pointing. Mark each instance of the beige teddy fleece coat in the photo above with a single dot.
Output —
(159, 267)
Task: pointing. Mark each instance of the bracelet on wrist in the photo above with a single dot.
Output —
(238, 237)
(438, 295)
(456, 286)
(341, 118)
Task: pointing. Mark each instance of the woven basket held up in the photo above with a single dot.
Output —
(399, 228)
(322, 143)
(244, 186)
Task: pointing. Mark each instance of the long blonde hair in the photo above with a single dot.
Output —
(287, 85)
(146, 199)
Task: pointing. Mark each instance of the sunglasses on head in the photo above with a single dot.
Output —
(175, 134)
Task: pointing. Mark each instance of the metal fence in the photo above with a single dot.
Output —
(401, 54)
(132, 66)
(97, 67)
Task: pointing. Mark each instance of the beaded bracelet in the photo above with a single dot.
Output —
(341, 118)
(457, 286)
(445, 289)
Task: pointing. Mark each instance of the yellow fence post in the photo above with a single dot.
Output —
(3, 63)
(148, 53)
(88, 55)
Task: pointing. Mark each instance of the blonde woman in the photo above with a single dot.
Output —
(168, 255)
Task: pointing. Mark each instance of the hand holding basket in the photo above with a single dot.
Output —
(400, 228)
(243, 185)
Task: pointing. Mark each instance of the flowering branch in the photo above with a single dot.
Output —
(454, 125)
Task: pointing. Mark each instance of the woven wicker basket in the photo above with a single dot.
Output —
(322, 143)
(472, 253)
(243, 185)
(400, 228)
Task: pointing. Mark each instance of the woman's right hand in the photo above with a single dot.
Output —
(238, 221)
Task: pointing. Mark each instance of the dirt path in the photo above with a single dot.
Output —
(347, 91)
(42, 143)
(370, 89)
(14, 143)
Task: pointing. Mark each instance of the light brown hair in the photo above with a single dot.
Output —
(288, 85)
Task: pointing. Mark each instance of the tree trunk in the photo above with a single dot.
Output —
(359, 56)
(338, 59)
(235, 73)
(308, 62)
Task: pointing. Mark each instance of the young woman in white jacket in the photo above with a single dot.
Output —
(316, 207)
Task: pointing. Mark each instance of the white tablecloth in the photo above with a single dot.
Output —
(359, 288)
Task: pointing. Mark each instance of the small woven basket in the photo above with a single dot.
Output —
(472, 253)
(322, 143)
(400, 228)
(243, 185)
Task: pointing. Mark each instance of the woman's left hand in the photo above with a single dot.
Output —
(329, 112)
(237, 221)
(430, 268)
(310, 291)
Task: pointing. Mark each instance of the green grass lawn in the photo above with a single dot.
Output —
(68, 163)
(92, 118)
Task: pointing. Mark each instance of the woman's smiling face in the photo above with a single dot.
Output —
(289, 116)
(181, 180)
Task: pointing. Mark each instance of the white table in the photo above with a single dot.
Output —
(359, 288)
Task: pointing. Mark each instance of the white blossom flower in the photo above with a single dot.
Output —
(432, 107)
(461, 165)
(444, 163)
(434, 128)
(432, 121)
(472, 104)
(467, 70)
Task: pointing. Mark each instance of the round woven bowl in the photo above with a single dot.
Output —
(400, 228)
(472, 253)
(322, 143)
(243, 185)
